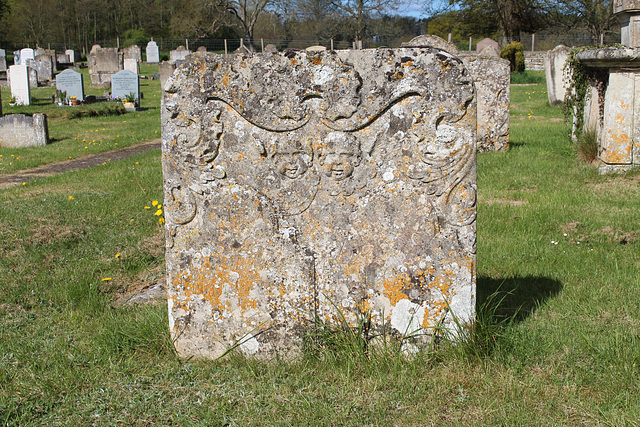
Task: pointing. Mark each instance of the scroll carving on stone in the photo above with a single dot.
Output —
(307, 187)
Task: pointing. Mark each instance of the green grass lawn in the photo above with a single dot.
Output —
(86, 129)
(558, 247)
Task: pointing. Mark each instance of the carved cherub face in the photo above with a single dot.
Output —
(293, 159)
(339, 155)
(438, 147)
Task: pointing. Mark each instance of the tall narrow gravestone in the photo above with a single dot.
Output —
(71, 81)
(3, 60)
(19, 83)
(305, 187)
(125, 82)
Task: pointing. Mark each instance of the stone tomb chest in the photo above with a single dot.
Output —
(307, 186)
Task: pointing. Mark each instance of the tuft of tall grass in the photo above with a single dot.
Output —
(587, 145)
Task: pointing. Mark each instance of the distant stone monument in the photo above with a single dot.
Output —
(271, 48)
(557, 80)
(104, 63)
(125, 82)
(153, 54)
(71, 81)
(3, 60)
(43, 64)
(19, 83)
(165, 68)
(180, 54)
(201, 49)
(25, 55)
(19, 130)
(487, 42)
(306, 186)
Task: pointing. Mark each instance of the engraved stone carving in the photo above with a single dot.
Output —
(316, 186)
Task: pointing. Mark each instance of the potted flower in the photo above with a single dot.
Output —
(73, 101)
(12, 101)
(61, 98)
(129, 101)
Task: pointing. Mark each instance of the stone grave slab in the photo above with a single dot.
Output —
(19, 83)
(557, 81)
(133, 52)
(180, 54)
(125, 82)
(132, 65)
(19, 130)
(72, 82)
(3, 60)
(104, 63)
(306, 187)
(43, 64)
(153, 53)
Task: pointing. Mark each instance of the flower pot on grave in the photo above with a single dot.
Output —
(75, 102)
(129, 106)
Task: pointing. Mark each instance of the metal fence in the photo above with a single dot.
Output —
(531, 42)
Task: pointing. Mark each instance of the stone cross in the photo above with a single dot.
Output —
(305, 187)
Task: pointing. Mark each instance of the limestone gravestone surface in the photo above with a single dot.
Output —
(165, 69)
(125, 82)
(19, 130)
(63, 59)
(315, 185)
(104, 63)
(492, 78)
(26, 54)
(180, 54)
(133, 52)
(153, 54)
(43, 64)
(70, 55)
(71, 81)
(19, 83)
(557, 81)
(132, 65)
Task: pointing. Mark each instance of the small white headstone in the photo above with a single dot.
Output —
(131, 65)
(71, 54)
(26, 54)
(20, 84)
(153, 54)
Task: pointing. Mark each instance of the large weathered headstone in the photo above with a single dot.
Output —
(43, 64)
(19, 83)
(19, 130)
(125, 82)
(557, 81)
(180, 54)
(104, 63)
(71, 81)
(153, 53)
(308, 186)
(133, 52)
(492, 78)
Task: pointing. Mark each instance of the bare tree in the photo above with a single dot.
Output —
(359, 11)
(246, 13)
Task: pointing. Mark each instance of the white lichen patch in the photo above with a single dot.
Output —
(407, 317)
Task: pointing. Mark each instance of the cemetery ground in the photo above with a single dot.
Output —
(557, 340)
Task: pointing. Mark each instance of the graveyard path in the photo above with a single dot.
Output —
(84, 162)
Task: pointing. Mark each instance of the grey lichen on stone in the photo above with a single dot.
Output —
(306, 186)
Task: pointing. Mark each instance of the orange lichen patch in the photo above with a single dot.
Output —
(619, 149)
(225, 81)
(620, 119)
(202, 280)
(246, 269)
(393, 288)
(316, 61)
(364, 306)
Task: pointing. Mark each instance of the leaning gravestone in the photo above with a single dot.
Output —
(71, 81)
(19, 83)
(306, 186)
(125, 82)
(153, 54)
(557, 80)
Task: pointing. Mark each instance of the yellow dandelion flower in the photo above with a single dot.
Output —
(154, 203)
(158, 212)
(106, 279)
(136, 163)
(147, 207)
(159, 206)
(117, 255)
(131, 219)
(70, 197)
(161, 220)
(24, 183)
